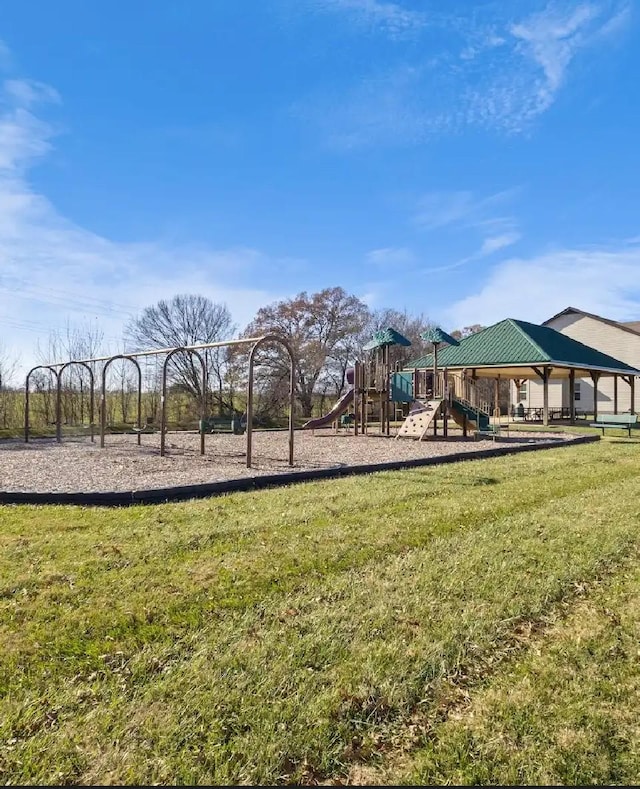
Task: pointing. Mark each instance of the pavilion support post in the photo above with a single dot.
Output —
(595, 377)
(545, 397)
(615, 394)
(572, 396)
(632, 384)
(496, 400)
(544, 374)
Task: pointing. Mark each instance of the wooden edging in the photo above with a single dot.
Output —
(183, 492)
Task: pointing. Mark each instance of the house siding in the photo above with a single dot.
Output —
(617, 342)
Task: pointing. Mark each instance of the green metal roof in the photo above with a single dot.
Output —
(436, 335)
(388, 336)
(513, 343)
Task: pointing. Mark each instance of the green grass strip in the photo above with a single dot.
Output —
(277, 636)
(565, 713)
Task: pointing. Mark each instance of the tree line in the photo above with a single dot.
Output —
(326, 331)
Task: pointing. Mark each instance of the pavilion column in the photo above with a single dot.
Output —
(632, 385)
(615, 394)
(595, 377)
(544, 374)
(572, 396)
(496, 400)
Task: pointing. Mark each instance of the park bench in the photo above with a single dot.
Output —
(620, 421)
(221, 424)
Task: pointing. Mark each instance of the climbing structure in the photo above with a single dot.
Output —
(420, 419)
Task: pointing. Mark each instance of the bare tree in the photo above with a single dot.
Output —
(184, 320)
(467, 331)
(8, 368)
(74, 342)
(410, 326)
(320, 328)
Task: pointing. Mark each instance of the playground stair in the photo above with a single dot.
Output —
(476, 419)
(420, 419)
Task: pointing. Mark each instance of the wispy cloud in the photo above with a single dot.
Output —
(376, 15)
(549, 41)
(497, 72)
(381, 109)
(486, 222)
(53, 271)
(490, 215)
(28, 92)
(390, 256)
(439, 209)
(595, 280)
(496, 243)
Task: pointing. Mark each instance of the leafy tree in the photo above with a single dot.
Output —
(322, 329)
(184, 320)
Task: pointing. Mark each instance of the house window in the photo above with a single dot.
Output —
(522, 391)
(576, 390)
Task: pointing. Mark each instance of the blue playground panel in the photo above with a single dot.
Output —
(402, 388)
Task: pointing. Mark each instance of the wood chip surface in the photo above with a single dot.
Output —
(77, 465)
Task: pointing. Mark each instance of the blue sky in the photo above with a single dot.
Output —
(467, 161)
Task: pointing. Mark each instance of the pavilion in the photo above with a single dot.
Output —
(517, 350)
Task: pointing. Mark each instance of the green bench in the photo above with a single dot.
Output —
(620, 421)
(221, 424)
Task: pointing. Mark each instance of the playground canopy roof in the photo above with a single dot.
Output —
(384, 337)
(513, 348)
(436, 335)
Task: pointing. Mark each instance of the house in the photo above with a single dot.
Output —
(618, 339)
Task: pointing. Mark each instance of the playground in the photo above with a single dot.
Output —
(78, 465)
(385, 417)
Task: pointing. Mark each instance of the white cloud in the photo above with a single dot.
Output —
(439, 209)
(462, 210)
(381, 109)
(540, 50)
(552, 39)
(28, 92)
(534, 289)
(392, 18)
(53, 271)
(495, 243)
(390, 256)
(505, 75)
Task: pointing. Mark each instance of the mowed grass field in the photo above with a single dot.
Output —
(470, 623)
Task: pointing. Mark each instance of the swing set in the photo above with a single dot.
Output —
(194, 352)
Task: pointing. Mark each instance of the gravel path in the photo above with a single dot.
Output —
(78, 465)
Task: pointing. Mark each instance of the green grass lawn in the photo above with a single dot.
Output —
(326, 631)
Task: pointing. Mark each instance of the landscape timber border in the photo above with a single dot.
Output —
(126, 498)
